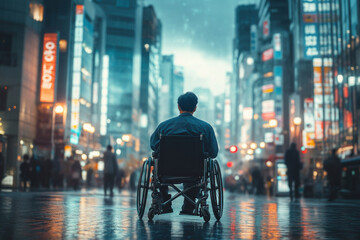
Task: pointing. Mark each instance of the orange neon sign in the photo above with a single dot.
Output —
(48, 70)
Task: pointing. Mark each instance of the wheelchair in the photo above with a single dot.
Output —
(181, 159)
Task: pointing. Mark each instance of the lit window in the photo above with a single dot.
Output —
(63, 45)
(36, 11)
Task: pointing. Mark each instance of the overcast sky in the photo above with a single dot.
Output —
(199, 33)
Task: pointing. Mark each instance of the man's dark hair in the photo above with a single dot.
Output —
(109, 147)
(188, 101)
(293, 145)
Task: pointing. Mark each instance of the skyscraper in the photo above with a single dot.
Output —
(123, 46)
(150, 76)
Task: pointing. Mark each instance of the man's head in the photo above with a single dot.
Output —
(26, 157)
(187, 102)
(109, 147)
(293, 145)
(333, 151)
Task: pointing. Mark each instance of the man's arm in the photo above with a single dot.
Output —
(213, 146)
(155, 139)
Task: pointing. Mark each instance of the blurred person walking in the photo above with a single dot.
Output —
(294, 165)
(332, 166)
(25, 171)
(76, 174)
(110, 170)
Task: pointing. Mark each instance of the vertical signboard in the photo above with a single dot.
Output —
(310, 29)
(277, 46)
(76, 76)
(48, 69)
(309, 123)
(323, 100)
(278, 72)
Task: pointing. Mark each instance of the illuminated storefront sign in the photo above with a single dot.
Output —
(310, 28)
(268, 109)
(76, 78)
(277, 46)
(104, 94)
(267, 55)
(309, 123)
(278, 72)
(324, 112)
(269, 88)
(247, 113)
(48, 70)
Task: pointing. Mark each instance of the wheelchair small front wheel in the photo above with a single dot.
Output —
(151, 213)
(205, 213)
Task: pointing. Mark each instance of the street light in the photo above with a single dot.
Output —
(273, 123)
(297, 121)
(59, 109)
(253, 146)
(126, 137)
(262, 145)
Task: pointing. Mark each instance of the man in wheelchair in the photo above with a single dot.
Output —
(188, 125)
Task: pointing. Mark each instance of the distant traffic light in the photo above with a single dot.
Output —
(233, 149)
(229, 164)
(303, 150)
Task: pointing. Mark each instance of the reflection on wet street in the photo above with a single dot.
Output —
(88, 215)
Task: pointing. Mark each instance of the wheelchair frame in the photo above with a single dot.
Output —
(211, 171)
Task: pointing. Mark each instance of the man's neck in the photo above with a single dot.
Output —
(181, 112)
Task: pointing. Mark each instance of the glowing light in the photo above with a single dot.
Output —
(269, 163)
(59, 109)
(262, 145)
(250, 61)
(250, 151)
(83, 156)
(253, 146)
(229, 164)
(118, 151)
(340, 78)
(273, 123)
(297, 121)
(126, 137)
(233, 149)
(244, 146)
(118, 141)
(21, 142)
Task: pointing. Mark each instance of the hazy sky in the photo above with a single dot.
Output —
(199, 33)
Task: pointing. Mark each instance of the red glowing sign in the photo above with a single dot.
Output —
(48, 70)
(267, 54)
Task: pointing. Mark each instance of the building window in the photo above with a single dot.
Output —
(63, 45)
(36, 11)
(6, 56)
(3, 98)
(123, 3)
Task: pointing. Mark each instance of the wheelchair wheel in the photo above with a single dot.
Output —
(205, 213)
(151, 214)
(143, 187)
(216, 190)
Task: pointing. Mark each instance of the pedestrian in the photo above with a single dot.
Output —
(332, 166)
(110, 170)
(47, 172)
(76, 174)
(25, 171)
(2, 167)
(294, 165)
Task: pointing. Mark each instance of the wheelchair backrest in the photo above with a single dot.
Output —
(181, 156)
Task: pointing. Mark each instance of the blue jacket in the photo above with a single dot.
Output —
(186, 124)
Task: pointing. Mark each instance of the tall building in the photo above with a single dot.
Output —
(205, 108)
(150, 77)
(20, 51)
(172, 86)
(243, 43)
(272, 91)
(123, 46)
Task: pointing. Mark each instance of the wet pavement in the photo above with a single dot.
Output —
(88, 215)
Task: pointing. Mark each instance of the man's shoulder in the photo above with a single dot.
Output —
(202, 122)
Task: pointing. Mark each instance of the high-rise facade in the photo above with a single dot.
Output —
(150, 77)
(123, 46)
(20, 51)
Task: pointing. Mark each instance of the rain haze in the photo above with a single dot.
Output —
(199, 34)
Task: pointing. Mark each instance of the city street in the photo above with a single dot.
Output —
(88, 215)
